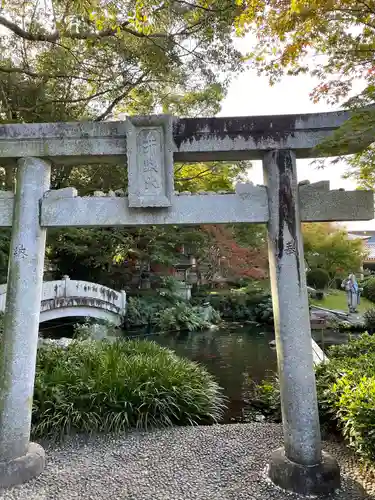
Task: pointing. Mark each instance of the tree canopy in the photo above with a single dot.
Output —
(334, 41)
(328, 247)
(66, 60)
(87, 59)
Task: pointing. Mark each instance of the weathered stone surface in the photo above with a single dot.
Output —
(302, 439)
(195, 139)
(21, 320)
(6, 195)
(234, 138)
(6, 209)
(74, 143)
(150, 161)
(185, 209)
(65, 298)
(68, 192)
(248, 205)
(321, 479)
(318, 354)
(22, 469)
(327, 318)
(318, 203)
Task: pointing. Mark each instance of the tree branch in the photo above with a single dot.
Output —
(73, 101)
(197, 176)
(33, 74)
(119, 98)
(83, 35)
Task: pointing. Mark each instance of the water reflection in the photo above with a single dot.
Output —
(232, 355)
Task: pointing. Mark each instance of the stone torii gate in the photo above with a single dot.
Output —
(149, 146)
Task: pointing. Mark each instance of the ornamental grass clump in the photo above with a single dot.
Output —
(93, 386)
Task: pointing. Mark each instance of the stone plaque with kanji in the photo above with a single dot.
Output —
(150, 161)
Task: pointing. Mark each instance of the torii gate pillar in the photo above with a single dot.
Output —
(20, 460)
(301, 465)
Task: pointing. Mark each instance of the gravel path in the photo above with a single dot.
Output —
(223, 462)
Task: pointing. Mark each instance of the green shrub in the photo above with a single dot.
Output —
(346, 393)
(244, 305)
(355, 348)
(317, 278)
(368, 286)
(354, 402)
(142, 311)
(369, 319)
(107, 387)
(94, 330)
(263, 312)
(181, 317)
(266, 396)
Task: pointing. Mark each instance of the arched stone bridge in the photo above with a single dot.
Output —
(66, 298)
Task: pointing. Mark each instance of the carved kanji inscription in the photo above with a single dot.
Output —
(150, 162)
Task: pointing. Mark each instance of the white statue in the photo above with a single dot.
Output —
(353, 292)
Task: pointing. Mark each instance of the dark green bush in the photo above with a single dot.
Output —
(184, 317)
(142, 311)
(368, 286)
(244, 305)
(168, 313)
(369, 318)
(337, 283)
(103, 387)
(346, 393)
(317, 278)
(263, 312)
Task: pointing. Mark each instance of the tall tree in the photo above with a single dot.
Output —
(64, 60)
(334, 41)
(329, 247)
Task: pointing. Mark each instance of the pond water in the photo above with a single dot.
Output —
(234, 354)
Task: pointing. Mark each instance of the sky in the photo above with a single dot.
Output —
(250, 94)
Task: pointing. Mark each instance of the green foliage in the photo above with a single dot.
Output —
(355, 348)
(369, 318)
(290, 34)
(168, 313)
(266, 395)
(142, 311)
(181, 317)
(248, 304)
(5, 236)
(74, 61)
(346, 393)
(369, 288)
(264, 311)
(109, 387)
(317, 278)
(329, 248)
(355, 410)
(100, 61)
(92, 329)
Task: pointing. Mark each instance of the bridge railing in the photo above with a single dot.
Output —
(58, 293)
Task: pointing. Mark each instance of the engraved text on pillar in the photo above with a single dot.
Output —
(150, 161)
